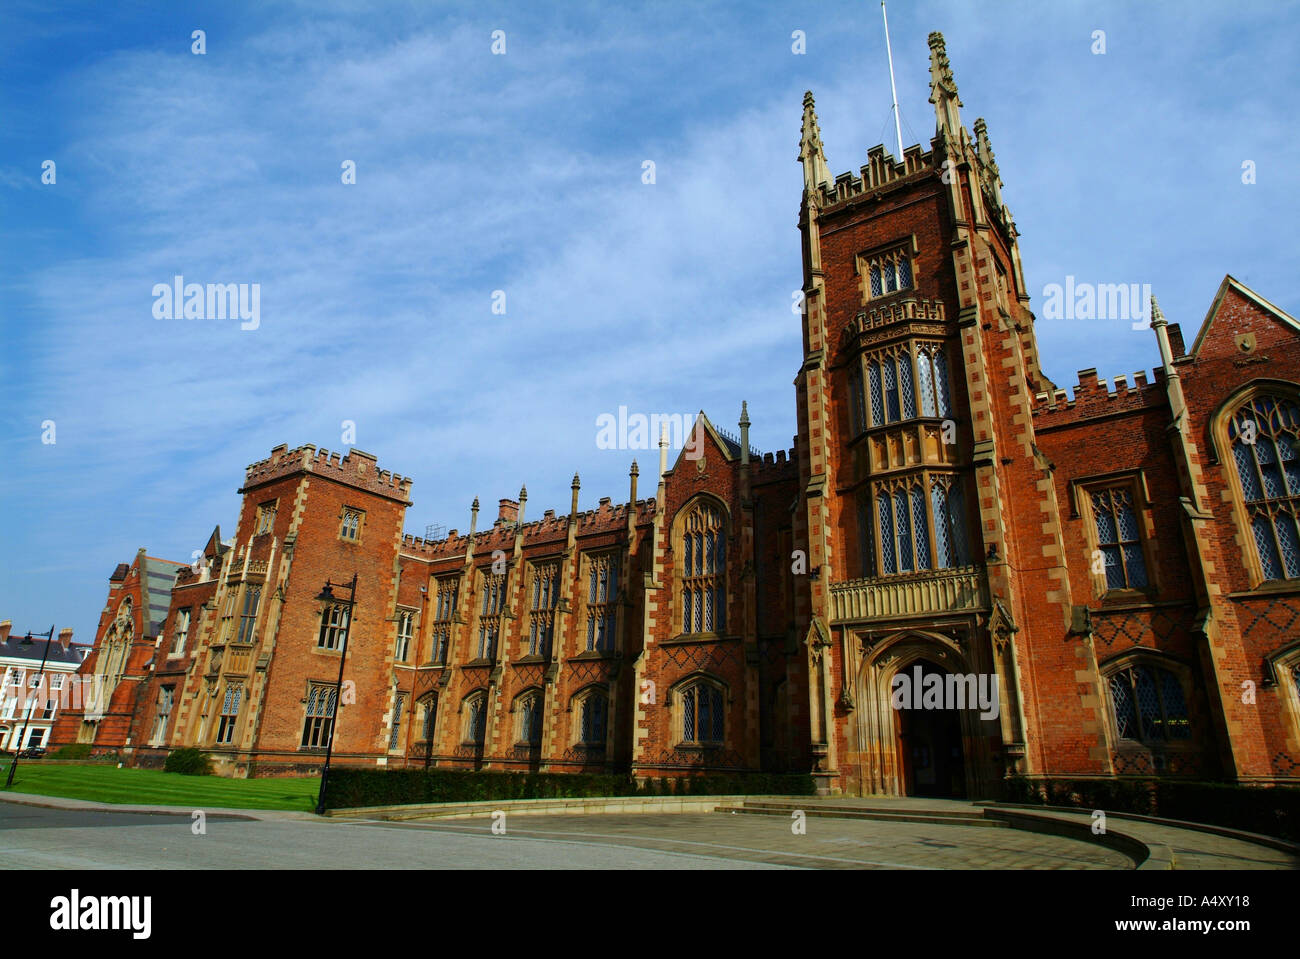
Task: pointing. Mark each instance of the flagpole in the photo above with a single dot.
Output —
(898, 127)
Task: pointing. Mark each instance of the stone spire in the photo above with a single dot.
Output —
(744, 432)
(1157, 314)
(943, 89)
(987, 158)
(811, 154)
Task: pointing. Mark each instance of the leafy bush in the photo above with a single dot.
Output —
(188, 762)
(1272, 811)
(374, 787)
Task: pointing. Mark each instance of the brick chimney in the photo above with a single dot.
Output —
(1176, 340)
(509, 511)
(65, 637)
(4, 631)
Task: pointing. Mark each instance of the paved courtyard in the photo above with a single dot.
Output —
(85, 837)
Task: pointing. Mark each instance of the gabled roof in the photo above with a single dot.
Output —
(1231, 283)
(725, 445)
(215, 547)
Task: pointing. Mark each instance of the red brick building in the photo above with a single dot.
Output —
(1120, 568)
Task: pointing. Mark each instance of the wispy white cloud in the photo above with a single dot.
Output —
(523, 173)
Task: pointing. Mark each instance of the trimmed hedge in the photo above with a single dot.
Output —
(188, 762)
(72, 751)
(375, 787)
(1272, 811)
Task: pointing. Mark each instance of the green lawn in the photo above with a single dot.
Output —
(148, 787)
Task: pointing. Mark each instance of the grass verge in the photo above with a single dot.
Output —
(148, 787)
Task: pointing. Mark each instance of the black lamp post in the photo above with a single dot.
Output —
(22, 731)
(327, 596)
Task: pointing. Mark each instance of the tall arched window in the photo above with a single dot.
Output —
(489, 621)
(529, 708)
(602, 596)
(541, 619)
(593, 718)
(428, 715)
(476, 719)
(1265, 437)
(114, 650)
(893, 396)
(703, 720)
(704, 565)
(949, 507)
(932, 376)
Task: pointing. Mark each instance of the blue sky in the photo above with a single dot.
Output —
(523, 173)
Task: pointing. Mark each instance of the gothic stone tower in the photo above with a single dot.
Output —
(932, 523)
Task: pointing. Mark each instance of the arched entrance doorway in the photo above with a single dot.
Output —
(930, 744)
(917, 751)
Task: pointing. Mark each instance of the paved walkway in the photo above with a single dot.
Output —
(65, 833)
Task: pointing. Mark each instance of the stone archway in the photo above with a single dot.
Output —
(881, 730)
(931, 752)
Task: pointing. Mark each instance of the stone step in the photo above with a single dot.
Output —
(848, 812)
(889, 809)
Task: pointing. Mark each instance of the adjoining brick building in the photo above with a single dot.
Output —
(1125, 563)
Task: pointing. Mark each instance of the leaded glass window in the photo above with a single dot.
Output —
(350, 527)
(593, 719)
(321, 699)
(444, 612)
(1118, 538)
(1149, 705)
(602, 608)
(1265, 436)
(892, 411)
(890, 383)
(932, 374)
(405, 628)
(704, 600)
(166, 698)
(530, 719)
(229, 713)
(904, 528)
(334, 626)
(476, 719)
(489, 624)
(877, 397)
(428, 714)
(702, 714)
(395, 735)
(948, 506)
(541, 616)
(889, 272)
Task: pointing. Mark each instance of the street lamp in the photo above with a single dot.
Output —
(22, 731)
(327, 596)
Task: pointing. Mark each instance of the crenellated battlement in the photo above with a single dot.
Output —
(608, 516)
(1095, 397)
(355, 468)
(781, 464)
(881, 170)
